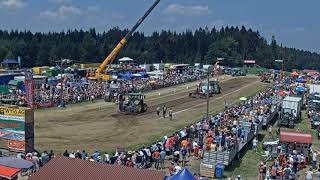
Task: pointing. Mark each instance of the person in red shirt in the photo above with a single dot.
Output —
(210, 140)
(156, 157)
(196, 151)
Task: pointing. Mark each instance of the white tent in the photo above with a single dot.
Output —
(125, 59)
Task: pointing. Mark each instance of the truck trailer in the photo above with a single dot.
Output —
(290, 111)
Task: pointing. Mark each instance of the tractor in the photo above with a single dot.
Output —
(287, 118)
(134, 104)
(201, 92)
(112, 93)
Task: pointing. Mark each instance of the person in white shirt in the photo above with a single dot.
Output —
(254, 144)
(106, 158)
(314, 159)
(309, 174)
(71, 155)
(177, 168)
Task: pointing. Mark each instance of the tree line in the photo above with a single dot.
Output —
(203, 45)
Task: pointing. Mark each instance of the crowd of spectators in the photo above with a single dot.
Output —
(287, 166)
(81, 90)
(220, 132)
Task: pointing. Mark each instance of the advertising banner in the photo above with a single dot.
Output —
(12, 111)
(16, 145)
(29, 84)
(12, 124)
(17, 128)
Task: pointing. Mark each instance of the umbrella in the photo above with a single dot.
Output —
(300, 89)
(243, 99)
(301, 80)
(136, 75)
(294, 73)
(15, 162)
(184, 174)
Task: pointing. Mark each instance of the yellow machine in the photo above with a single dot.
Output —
(100, 74)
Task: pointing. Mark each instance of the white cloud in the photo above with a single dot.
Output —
(195, 10)
(12, 3)
(62, 12)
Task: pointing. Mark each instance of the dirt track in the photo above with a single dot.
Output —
(99, 126)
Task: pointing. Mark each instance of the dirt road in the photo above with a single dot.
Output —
(98, 125)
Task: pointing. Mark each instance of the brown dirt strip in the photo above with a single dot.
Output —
(97, 125)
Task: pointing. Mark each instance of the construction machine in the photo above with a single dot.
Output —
(201, 92)
(133, 105)
(99, 73)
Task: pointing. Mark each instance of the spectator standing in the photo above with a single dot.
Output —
(84, 155)
(170, 114)
(309, 174)
(45, 158)
(314, 159)
(156, 157)
(287, 172)
(254, 144)
(177, 168)
(36, 162)
(184, 156)
(164, 111)
(106, 158)
(162, 158)
(66, 154)
(171, 169)
(318, 174)
(51, 154)
(270, 130)
(78, 154)
(158, 111)
(95, 155)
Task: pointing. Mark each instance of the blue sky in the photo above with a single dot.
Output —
(295, 23)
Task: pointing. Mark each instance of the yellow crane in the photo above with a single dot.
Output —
(99, 74)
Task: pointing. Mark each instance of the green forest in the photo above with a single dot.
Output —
(202, 45)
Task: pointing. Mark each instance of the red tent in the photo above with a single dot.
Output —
(294, 73)
(282, 93)
(8, 172)
(287, 136)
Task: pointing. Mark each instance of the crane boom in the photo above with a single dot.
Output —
(108, 60)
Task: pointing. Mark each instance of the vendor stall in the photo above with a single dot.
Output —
(8, 172)
(292, 140)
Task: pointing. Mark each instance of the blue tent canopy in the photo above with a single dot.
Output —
(15, 162)
(300, 80)
(9, 61)
(300, 89)
(184, 174)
